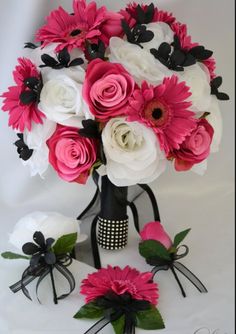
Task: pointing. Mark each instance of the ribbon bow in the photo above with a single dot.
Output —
(116, 306)
(42, 263)
(173, 264)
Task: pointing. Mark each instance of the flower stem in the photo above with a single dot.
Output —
(178, 281)
(53, 286)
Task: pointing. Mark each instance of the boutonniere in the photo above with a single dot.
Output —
(51, 239)
(125, 298)
(163, 254)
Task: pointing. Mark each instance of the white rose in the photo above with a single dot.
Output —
(133, 153)
(51, 224)
(215, 119)
(61, 100)
(36, 140)
(140, 63)
(197, 78)
(162, 33)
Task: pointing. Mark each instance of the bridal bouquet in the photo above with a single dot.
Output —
(123, 93)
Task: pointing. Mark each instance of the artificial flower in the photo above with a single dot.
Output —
(107, 89)
(165, 109)
(195, 148)
(180, 30)
(61, 98)
(51, 224)
(162, 34)
(87, 23)
(132, 152)
(36, 141)
(155, 231)
(197, 79)
(21, 101)
(120, 281)
(138, 62)
(71, 155)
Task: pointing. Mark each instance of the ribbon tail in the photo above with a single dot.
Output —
(159, 268)
(25, 280)
(70, 278)
(44, 274)
(134, 211)
(191, 277)
(98, 326)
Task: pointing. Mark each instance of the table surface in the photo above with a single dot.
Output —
(206, 204)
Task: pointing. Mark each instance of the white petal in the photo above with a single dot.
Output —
(215, 119)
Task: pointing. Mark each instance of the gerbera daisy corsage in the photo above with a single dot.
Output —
(163, 254)
(126, 298)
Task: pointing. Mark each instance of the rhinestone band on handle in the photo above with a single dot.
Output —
(112, 234)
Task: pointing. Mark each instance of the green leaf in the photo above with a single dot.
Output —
(89, 311)
(152, 249)
(150, 319)
(119, 325)
(65, 244)
(180, 237)
(14, 256)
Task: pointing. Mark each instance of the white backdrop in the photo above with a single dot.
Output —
(186, 200)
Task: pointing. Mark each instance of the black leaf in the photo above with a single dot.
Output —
(64, 57)
(39, 239)
(177, 58)
(140, 15)
(48, 60)
(127, 30)
(30, 45)
(76, 62)
(222, 96)
(90, 129)
(164, 50)
(31, 82)
(26, 154)
(34, 261)
(30, 249)
(20, 144)
(217, 82)
(28, 97)
(155, 53)
(94, 51)
(147, 36)
(149, 13)
(176, 44)
(189, 60)
(49, 243)
(200, 53)
(50, 258)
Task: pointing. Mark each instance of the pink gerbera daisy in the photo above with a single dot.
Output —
(86, 23)
(181, 32)
(130, 14)
(21, 100)
(211, 65)
(120, 281)
(164, 108)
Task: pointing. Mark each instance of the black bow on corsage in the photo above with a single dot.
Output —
(157, 255)
(45, 256)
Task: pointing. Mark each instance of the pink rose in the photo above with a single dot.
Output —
(71, 155)
(107, 89)
(196, 147)
(155, 231)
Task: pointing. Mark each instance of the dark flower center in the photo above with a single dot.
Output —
(75, 32)
(157, 113)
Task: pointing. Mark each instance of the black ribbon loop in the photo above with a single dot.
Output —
(41, 272)
(174, 264)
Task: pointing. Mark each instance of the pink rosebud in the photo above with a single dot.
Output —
(107, 89)
(196, 147)
(155, 231)
(71, 155)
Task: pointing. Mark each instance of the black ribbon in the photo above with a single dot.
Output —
(115, 307)
(119, 196)
(174, 265)
(44, 262)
